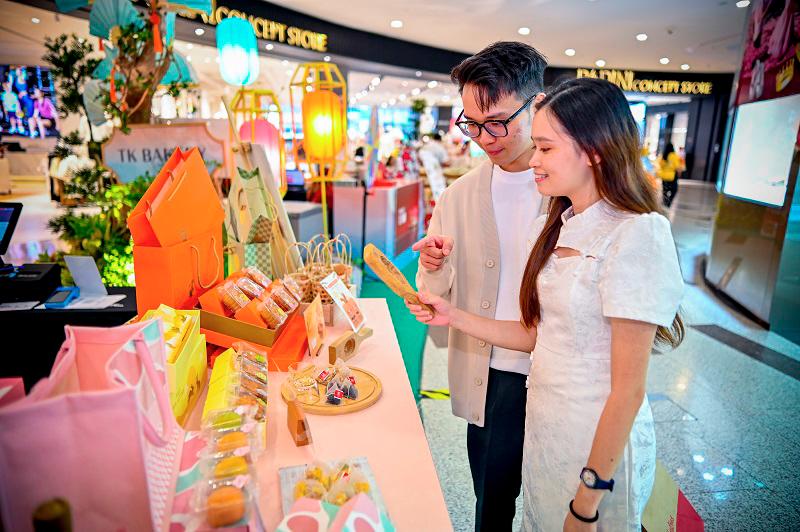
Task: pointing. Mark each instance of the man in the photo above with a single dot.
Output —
(475, 254)
(435, 149)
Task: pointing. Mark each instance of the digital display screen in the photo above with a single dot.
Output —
(761, 150)
(59, 296)
(27, 100)
(5, 220)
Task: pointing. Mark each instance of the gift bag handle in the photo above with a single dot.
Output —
(197, 264)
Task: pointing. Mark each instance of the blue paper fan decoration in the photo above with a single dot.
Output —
(71, 5)
(103, 68)
(109, 14)
(169, 29)
(179, 71)
(92, 92)
(203, 6)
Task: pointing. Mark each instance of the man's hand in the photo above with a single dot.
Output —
(434, 249)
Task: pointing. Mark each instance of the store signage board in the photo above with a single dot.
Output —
(628, 81)
(148, 146)
(267, 29)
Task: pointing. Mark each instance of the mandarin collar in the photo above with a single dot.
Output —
(581, 231)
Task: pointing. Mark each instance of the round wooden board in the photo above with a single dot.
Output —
(369, 390)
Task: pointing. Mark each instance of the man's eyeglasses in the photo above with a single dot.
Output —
(496, 128)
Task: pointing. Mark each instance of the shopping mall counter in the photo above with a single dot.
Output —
(389, 434)
(394, 214)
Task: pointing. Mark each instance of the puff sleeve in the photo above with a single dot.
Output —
(640, 277)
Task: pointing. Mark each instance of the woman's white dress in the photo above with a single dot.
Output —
(627, 268)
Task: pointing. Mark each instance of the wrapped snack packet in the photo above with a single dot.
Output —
(281, 296)
(225, 502)
(294, 289)
(313, 489)
(251, 289)
(321, 472)
(341, 492)
(271, 313)
(325, 375)
(257, 275)
(232, 297)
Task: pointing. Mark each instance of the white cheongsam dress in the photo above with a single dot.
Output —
(627, 267)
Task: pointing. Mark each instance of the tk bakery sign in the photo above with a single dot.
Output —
(148, 146)
(627, 81)
(267, 29)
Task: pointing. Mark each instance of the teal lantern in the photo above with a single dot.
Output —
(238, 51)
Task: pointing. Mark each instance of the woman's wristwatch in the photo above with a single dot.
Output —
(581, 518)
(591, 480)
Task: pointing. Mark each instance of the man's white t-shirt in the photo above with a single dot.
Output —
(516, 202)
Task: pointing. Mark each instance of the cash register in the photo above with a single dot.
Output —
(29, 282)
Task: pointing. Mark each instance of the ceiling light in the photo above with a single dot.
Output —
(664, 60)
(415, 92)
(432, 84)
(641, 36)
(35, 20)
(269, 46)
(199, 31)
(189, 46)
(418, 73)
(600, 62)
(402, 97)
(397, 23)
(375, 81)
(569, 51)
(284, 62)
(404, 84)
(392, 101)
(189, 58)
(743, 3)
(327, 59)
(524, 30)
(685, 66)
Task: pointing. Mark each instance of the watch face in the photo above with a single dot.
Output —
(589, 478)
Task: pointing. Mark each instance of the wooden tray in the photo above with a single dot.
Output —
(369, 390)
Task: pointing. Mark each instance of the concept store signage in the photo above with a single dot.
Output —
(627, 81)
(267, 29)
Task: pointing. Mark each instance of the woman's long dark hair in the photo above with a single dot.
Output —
(595, 114)
(668, 148)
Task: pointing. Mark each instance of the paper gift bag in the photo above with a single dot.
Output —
(180, 203)
(668, 510)
(98, 432)
(177, 275)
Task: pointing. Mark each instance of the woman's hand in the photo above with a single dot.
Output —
(573, 525)
(444, 310)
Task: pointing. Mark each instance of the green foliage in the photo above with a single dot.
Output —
(418, 105)
(71, 67)
(104, 234)
(87, 183)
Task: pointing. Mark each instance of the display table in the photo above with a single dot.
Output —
(389, 434)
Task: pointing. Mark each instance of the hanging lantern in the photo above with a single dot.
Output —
(323, 129)
(238, 51)
(320, 90)
(260, 131)
(251, 109)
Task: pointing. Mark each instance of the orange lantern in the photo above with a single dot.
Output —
(320, 91)
(323, 130)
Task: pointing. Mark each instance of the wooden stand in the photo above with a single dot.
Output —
(346, 346)
(296, 421)
(369, 390)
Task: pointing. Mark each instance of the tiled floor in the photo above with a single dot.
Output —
(727, 424)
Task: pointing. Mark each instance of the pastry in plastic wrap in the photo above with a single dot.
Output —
(232, 297)
(321, 472)
(281, 296)
(293, 288)
(225, 506)
(313, 489)
(257, 275)
(250, 288)
(231, 441)
(271, 313)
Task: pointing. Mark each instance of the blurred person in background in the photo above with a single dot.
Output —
(668, 168)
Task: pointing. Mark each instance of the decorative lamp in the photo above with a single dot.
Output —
(320, 90)
(251, 109)
(238, 51)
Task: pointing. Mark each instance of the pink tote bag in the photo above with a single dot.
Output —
(98, 432)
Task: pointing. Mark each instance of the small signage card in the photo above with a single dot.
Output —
(344, 300)
(315, 326)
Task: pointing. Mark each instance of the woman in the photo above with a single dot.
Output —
(668, 168)
(44, 114)
(601, 284)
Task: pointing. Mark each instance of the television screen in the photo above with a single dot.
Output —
(639, 110)
(27, 102)
(761, 150)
